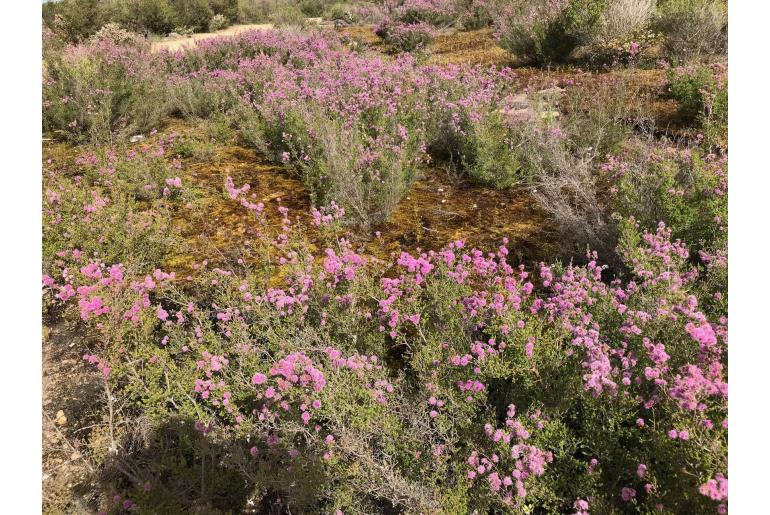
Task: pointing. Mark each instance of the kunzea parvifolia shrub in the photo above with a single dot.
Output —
(448, 381)
(101, 89)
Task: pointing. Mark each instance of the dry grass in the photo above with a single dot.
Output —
(175, 43)
(474, 47)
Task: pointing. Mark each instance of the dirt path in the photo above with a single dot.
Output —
(174, 43)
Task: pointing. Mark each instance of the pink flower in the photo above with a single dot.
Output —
(627, 493)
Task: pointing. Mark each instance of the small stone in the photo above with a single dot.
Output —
(61, 419)
(136, 138)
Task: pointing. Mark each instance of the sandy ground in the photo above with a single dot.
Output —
(180, 42)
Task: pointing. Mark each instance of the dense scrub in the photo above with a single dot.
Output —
(306, 376)
(447, 381)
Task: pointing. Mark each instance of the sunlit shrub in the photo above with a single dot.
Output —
(683, 186)
(477, 14)
(195, 14)
(218, 22)
(548, 30)
(118, 208)
(702, 96)
(287, 15)
(431, 12)
(100, 89)
(406, 37)
(447, 381)
(625, 17)
(692, 28)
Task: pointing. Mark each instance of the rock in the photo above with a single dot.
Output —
(519, 115)
(60, 419)
(520, 101)
(549, 95)
(137, 138)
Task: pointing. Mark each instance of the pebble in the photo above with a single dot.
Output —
(61, 419)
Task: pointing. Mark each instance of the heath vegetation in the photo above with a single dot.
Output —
(253, 330)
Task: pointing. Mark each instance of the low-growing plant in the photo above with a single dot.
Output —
(218, 22)
(624, 18)
(687, 187)
(118, 208)
(406, 37)
(447, 381)
(701, 93)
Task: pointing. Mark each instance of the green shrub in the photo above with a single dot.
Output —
(489, 155)
(406, 37)
(449, 382)
(684, 187)
(74, 19)
(548, 31)
(115, 209)
(99, 90)
(701, 93)
(227, 8)
(340, 13)
(218, 22)
(149, 16)
(692, 28)
(312, 8)
(287, 15)
(195, 14)
(476, 14)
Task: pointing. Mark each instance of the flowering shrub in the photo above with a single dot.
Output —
(685, 187)
(410, 24)
(449, 380)
(311, 105)
(118, 208)
(432, 12)
(702, 96)
(316, 378)
(99, 89)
